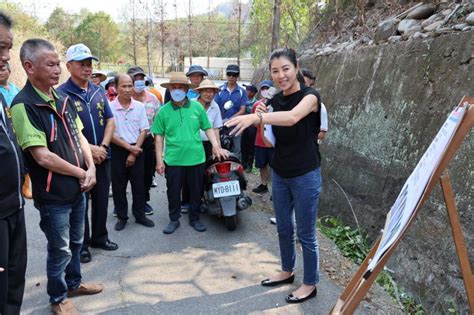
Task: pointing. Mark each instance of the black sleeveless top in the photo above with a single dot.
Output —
(296, 151)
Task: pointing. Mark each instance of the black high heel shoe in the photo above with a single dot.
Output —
(270, 283)
(293, 299)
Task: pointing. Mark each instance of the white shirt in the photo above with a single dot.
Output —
(215, 118)
(129, 122)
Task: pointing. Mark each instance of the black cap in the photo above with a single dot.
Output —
(133, 71)
(232, 69)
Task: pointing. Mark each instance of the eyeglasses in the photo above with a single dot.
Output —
(232, 75)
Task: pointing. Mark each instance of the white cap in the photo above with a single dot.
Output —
(79, 52)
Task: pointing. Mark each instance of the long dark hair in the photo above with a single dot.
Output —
(290, 54)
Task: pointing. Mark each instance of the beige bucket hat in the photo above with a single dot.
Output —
(207, 84)
(177, 78)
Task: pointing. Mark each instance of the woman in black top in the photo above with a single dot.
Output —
(296, 170)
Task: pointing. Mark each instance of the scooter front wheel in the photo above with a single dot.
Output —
(231, 222)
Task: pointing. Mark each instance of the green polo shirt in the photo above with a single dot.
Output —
(180, 127)
(27, 135)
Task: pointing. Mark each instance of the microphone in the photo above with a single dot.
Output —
(271, 92)
(267, 133)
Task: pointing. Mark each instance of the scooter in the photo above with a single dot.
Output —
(225, 185)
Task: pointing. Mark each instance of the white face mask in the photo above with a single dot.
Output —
(264, 93)
(178, 95)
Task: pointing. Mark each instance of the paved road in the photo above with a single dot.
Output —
(188, 272)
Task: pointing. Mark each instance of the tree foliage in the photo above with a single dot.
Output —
(101, 35)
(96, 30)
(61, 26)
(295, 23)
(23, 23)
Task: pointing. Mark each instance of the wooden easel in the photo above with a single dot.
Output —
(362, 280)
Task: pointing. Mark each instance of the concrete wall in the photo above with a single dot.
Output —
(385, 104)
(217, 66)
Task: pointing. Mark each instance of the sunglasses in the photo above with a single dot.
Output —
(232, 74)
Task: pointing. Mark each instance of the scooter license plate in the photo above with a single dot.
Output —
(225, 189)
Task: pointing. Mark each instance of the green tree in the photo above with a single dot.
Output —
(61, 26)
(295, 23)
(220, 33)
(100, 33)
(23, 23)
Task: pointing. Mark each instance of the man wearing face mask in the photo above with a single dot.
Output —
(195, 74)
(178, 123)
(152, 105)
(93, 108)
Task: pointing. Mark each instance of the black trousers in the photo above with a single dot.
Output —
(150, 164)
(207, 152)
(190, 177)
(99, 196)
(13, 259)
(121, 175)
(248, 146)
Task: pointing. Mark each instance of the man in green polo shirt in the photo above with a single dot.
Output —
(178, 123)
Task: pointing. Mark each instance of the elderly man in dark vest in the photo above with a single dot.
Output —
(61, 166)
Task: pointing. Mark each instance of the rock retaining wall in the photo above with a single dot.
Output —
(386, 104)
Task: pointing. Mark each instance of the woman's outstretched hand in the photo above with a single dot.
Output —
(241, 122)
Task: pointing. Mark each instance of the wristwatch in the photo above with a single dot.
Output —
(104, 146)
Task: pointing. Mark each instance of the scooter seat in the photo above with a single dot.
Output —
(232, 158)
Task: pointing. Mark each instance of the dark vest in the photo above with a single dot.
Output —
(11, 166)
(62, 135)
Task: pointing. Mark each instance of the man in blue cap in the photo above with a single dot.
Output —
(195, 74)
(93, 108)
(233, 92)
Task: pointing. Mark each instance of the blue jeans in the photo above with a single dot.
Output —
(63, 226)
(301, 195)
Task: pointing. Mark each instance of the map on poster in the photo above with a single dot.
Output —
(403, 209)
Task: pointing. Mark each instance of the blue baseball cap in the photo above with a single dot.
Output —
(79, 52)
(265, 83)
(196, 69)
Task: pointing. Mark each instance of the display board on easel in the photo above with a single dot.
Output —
(430, 169)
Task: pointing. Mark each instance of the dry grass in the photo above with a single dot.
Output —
(18, 75)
